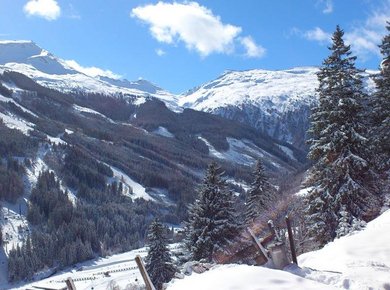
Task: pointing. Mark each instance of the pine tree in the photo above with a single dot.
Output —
(341, 174)
(259, 195)
(319, 217)
(344, 226)
(212, 223)
(380, 133)
(358, 224)
(158, 261)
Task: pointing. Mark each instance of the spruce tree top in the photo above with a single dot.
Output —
(385, 46)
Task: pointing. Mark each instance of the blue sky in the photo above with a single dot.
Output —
(182, 44)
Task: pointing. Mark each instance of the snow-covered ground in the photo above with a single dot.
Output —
(98, 274)
(162, 131)
(91, 111)
(362, 259)
(242, 152)
(358, 262)
(287, 151)
(303, 191)
(244, 277)
(13, 122)
(4, 99)
(131, 188)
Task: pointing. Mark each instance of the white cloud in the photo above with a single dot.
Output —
(48, 9)
(92, 71)
(72, 12)
(317, 34)
(160, 52)
(252, 49)
(194, 25)
(328, 7)
(325, 5)
(364, 37)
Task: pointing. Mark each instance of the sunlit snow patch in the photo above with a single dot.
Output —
(4, 99)
(288, 152)
(132, 188)
(91, 111)
(362, 258)
(244, 277)
(240, 151)
(162, 131)
(14, 122)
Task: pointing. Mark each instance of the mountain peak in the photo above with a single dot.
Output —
(17, 50)
(16, 42)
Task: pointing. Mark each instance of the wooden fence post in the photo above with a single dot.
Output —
(144, 273)
(70, 284)
(291, 239)
(259, 245)
(273, 231)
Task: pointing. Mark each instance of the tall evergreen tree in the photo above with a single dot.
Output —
(380, 133)
(341, 174)
(212, 223)
(158, 261)
(259, 195)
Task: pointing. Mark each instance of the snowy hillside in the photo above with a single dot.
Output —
(359, 261)
(28, 58)
(275, 102)
(274, 91)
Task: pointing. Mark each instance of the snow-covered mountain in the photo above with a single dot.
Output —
(275, 91)
(28, 58)
(275, 102)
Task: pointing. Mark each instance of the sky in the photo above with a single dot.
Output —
(179, 45)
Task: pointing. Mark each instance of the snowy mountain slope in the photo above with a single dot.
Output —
(275, 102)
(28, 58)
(275, 91)
(145, 139)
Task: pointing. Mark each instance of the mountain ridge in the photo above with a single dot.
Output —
(275, 102)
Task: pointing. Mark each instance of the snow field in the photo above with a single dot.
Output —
(244, 277)
(13, 122)
(162, 131)
(240, 151)
(101, 273)
(132, 189)
(362, 258)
